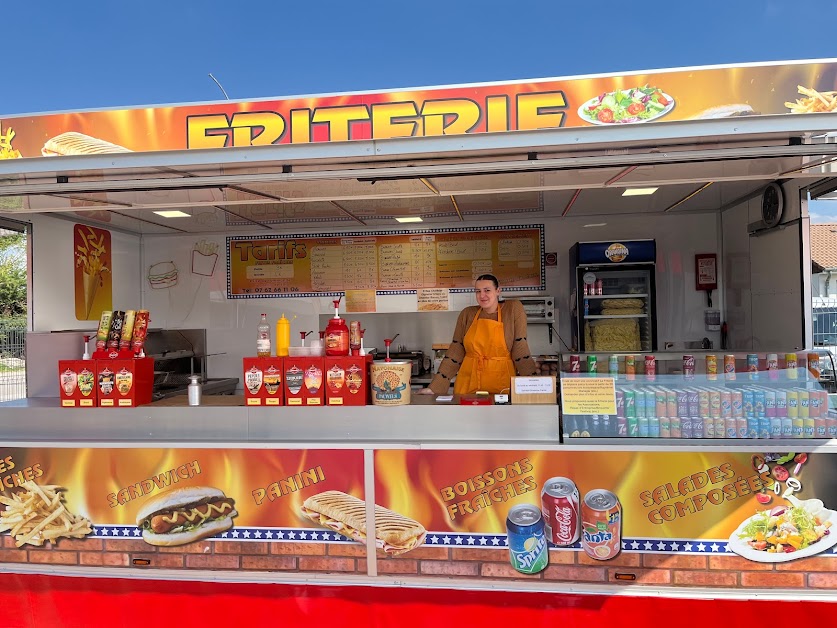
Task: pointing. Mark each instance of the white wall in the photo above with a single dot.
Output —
(53, 300)
(199, 301)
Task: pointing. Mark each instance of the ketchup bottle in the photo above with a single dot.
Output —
(337, 334)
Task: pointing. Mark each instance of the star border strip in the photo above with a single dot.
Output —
(287, 535)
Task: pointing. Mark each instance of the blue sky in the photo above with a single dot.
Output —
(91, 53)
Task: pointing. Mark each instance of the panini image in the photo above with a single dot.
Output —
(394, 533)
(73, 143)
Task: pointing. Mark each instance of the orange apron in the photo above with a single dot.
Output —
(487, 364)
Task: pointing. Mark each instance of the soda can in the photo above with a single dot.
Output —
(831, 427)
(127, 330)
(726, 404)
(643, 427)
(764, 427)
(528, 551)
(592, 364)
(737, 403)
(787, 427)
(653, 427)
(575, 363)
(772, 361)
(759, 403)
(685, 427)
(716, 403)
(720, 427)
(560, 506)
(601, 524)
(809, 427)
(697, 427)
(730, 428)
(633, 427)
(689, 367)
(798, 427)
(599, 287)
(781, 403)
(115, 334)
(753, 366)
(674, 427)
(703, 402)
(665, 427)
(613, 366)
(693, 401)
(630, 404)
(651, 403)
(814, 366)
(650, 368)
(712, 368)
(621, 426)
(729, 368)
(741, 427)
(671, 403)
(770, 403)
(793, 403)
(790, 366)
(640, 403)
(820, 428)
(682, 403)
(630, 367)
(814, 403)
(752, 427)
(749, 403)
(660, 405)
(620, 404)
(804, 404)
(775, 427)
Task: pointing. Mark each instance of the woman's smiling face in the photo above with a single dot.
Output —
(487, 295)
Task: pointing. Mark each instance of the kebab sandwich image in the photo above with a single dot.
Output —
(185, 515)
(72, 143)
(394, 533)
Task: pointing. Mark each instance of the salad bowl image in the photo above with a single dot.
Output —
(785, 533)
(626, 106)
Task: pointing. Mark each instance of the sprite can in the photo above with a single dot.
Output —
(528, 551)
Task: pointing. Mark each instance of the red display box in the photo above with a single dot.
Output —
(124, 382)
(263, 379)
(346, 381)
(304, 381)
(77, 383)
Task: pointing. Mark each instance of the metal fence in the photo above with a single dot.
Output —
(12, 363)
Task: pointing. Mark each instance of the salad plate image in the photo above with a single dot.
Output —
(626, 106)
(785, 533)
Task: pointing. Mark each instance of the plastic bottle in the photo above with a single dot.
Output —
(337, 334)
(283, 336)
(263, 338)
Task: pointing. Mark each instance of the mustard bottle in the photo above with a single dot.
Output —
(283, 336)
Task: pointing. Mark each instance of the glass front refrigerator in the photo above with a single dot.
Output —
(614, 300)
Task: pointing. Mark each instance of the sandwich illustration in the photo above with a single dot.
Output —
(162, 275)
(185, 515)
(73, 143)
(394, 533)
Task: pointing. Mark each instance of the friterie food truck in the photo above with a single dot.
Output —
(654, 225)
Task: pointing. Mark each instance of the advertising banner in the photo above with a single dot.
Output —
(636, 98)
(93, 281)
(767, 508)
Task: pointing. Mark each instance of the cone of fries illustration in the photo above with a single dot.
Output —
(89, 255)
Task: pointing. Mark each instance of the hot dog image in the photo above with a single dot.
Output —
(185, 515)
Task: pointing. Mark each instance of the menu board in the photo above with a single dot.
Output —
(387, 261)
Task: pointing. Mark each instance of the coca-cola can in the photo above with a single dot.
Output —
(560, 505)
(689, 366)
(650, 368)
(575, 363)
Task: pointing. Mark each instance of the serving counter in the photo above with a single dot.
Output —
(452, 471)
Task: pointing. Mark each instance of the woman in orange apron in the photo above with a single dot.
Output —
(489, 345)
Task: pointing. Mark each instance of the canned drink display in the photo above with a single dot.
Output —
(716, 403)
(703, 402)
(599, 287)
(730, 428)
(575, 364)
(804, 404)
(560, 506)
(693, 401)
(665, 427)
(753, 366)
(790, 365)
(729, 368)
(592, 364)
(764, 427)
(787, 427)
(741, 427)
(621, 426)
(726, 404)
(689, 366)
(613, 365)
(793, 403)
(775, 427)
(720, 427)
(752, 427)
(798, 426)
(749, 403)
(759, 403)
(601, 524)
(820, 428)
(712, 368)
(809, 426)
(528, 551)
(737, 403)
(630, 404)
(674, 427)
(633, 426)
(831, 427)
(814, 365)
(630, 367)
(650, 368)
(660, 405)
(671, 403)
(643, 427)
(770, 403)
(781, 403)
(620, 404)
(685, 427)
(682, 403)
(697, 427)
(639, 400)
(772, 363)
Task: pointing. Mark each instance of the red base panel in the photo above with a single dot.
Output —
(37, 601)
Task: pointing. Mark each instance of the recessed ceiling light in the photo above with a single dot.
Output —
(596, 224)
(638, 191)
(172, 213)
(410, 219)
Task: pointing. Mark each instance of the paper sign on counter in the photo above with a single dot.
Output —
(534, 385)
(361, 301)
(583, 395)
(433, 299)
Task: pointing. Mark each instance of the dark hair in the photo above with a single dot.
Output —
(490, 278)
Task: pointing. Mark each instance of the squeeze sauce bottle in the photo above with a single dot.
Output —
(283, 336)
(337, 334)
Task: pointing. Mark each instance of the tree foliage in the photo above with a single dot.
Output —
(12, 275)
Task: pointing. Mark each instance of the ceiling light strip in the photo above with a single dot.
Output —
(686, 198)
(456, 207)
(571, 203)
(429, 185)
(624, 173)
(150, 222)
(348, 213)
